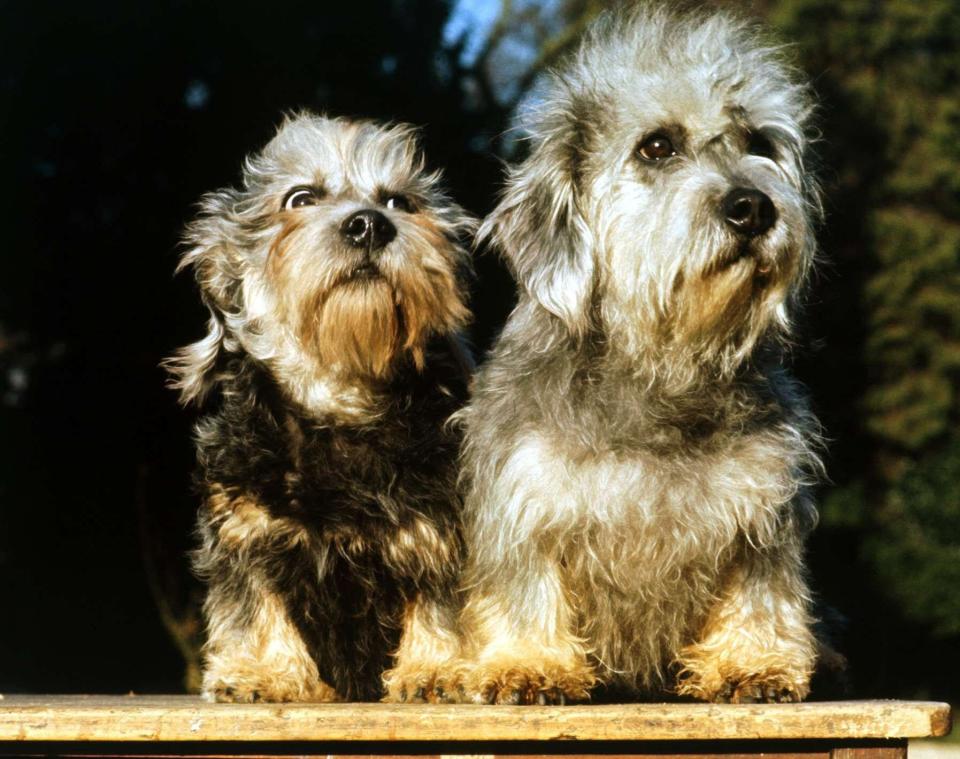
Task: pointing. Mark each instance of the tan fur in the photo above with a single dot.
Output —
(509, 666)
(754, 646)
(240, 520)
(727, 303)
(433, 303)
(412, 542)
(428, 649)
(262, 658)
(269, 662)
(362, 326)
(278, 248)
(426, 662)
(355, 327)
(715, 303)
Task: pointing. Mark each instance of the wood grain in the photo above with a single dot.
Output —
(187, 718)
(892, 752)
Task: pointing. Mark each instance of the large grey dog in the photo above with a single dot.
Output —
(637, 460)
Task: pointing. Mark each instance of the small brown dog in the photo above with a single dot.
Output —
(330, 524)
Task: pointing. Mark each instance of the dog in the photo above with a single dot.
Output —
(335, 276)
(637, 461)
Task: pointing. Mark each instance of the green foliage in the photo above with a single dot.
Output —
(917, 551)
(912, 304)
(889, 76)
(844, 507)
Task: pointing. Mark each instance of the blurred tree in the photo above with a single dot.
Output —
(502, 55)
(918, 554)
(888, 73)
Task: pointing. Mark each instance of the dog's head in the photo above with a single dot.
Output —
(666, 193)
(339, 255)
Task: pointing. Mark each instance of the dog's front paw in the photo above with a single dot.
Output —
(424, 684)
(758, 690)
(449, 688)
(252, 692)
(225, 693)
(744, 688)
(408, 687)
(544, 683)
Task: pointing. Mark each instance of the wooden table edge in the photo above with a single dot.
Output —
(184, 718)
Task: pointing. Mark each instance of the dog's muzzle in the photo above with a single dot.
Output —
(368, 229)
(750, 213)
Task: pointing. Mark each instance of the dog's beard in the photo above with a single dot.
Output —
(712, 303)
(360, 318)
(686, 280)
(363, 325)
(355, 326)
(725, 307)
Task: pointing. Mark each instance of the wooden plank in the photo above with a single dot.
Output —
(723, 749)
(694, 754)
(142, 751)
(187, 718)
(879, 752)
(816, 749)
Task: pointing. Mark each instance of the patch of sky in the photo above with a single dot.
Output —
(531, 23)
(472, 21)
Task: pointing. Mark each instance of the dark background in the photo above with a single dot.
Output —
(116, 116)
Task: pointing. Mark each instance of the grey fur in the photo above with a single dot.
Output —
(637, 460)
(229, 246)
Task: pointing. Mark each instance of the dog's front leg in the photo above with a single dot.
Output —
(254, 651)
(757, 643)
(520, 629)
(428, 653)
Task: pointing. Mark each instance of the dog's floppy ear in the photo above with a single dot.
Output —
(216, 269)
(539, 228)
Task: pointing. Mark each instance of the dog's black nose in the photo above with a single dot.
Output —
(368, 229)
(749, 212)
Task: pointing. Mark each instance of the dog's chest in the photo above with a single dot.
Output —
(321, 474)
(647, 510)
(370, 471)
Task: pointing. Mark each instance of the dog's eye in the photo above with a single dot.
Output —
(399, 203)
(299, 197)
(656, 148)
(759, 144)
